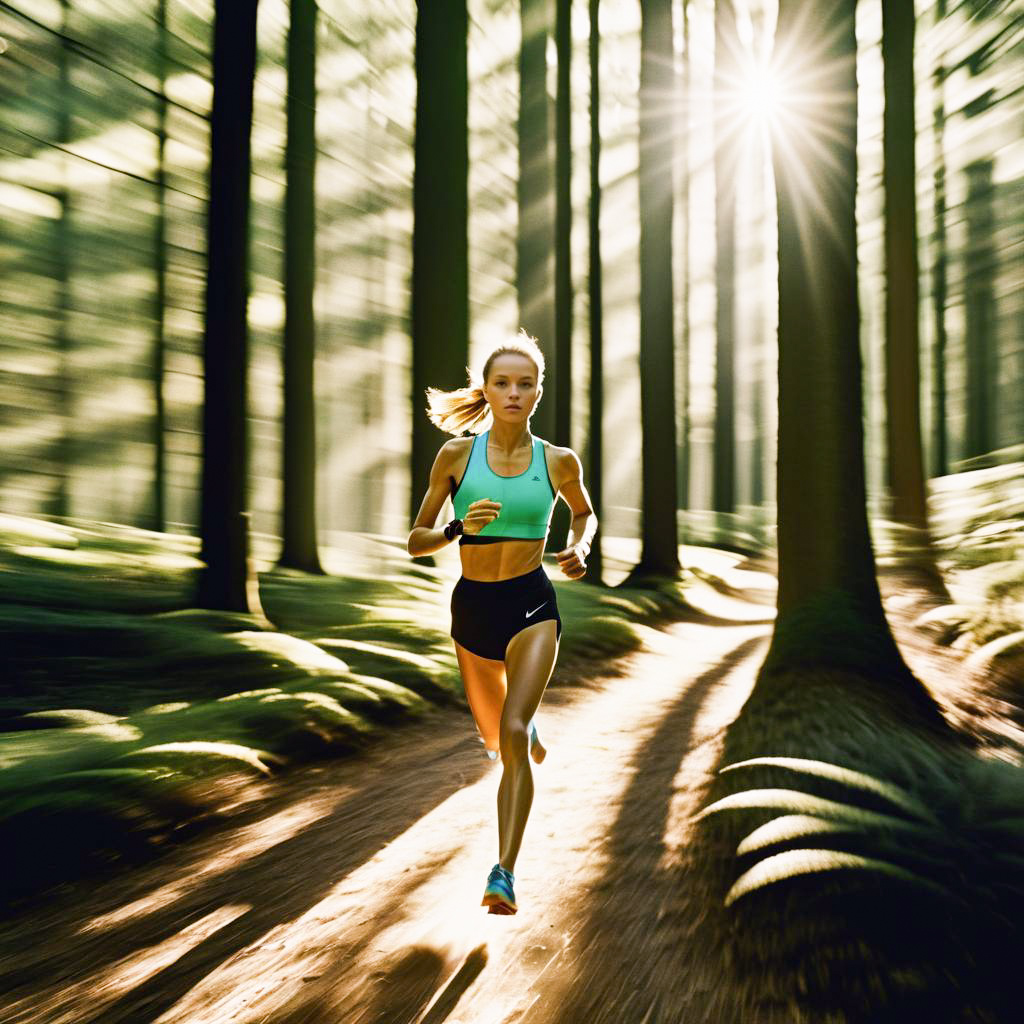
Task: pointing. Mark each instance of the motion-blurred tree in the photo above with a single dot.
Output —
(560, 392)
(159, 500)
(683, 203)
(659, 554)
(226, 582)
(595, 438)
(904, 450)
(64, 250)
(726, 73)
(940, 289)
(980, 339)
(535, 242)
(298, 470)
(440, 241)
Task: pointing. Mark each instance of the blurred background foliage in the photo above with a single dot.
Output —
(103, 155)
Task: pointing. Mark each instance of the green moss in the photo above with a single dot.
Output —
(424, 675)
(135, 712)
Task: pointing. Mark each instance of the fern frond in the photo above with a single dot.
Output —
(796, 802)
(848, 777)
(800, 863)
(806, 826)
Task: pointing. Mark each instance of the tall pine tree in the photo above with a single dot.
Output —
(298, 499)
(225, 581)
(440, 238)
(535, 242)
(659, 554)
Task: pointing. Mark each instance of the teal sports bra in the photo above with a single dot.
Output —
(526, 498)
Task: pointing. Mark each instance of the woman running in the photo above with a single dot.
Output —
(503, 483)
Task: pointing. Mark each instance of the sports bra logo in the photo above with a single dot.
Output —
(536, 479)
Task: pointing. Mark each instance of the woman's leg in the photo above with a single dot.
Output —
(528, 663)
(484, 680)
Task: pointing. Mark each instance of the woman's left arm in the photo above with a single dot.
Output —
(573, 560)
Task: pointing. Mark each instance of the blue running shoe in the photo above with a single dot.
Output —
(499, 897)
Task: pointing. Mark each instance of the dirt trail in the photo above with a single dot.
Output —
(350, 892)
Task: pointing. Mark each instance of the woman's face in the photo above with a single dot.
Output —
(511, 388)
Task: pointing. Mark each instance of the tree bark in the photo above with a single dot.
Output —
(225, 582)
(829, 607)
(440, 241)
(60, 504)
(904, 450)
(158, 513)
(940, 447)
(683, 368)
(563, 226)
(595, 441)
(536, 235)
(659, 553)
(726, 59)
(298, 471)
(902, 342)
(979, 311)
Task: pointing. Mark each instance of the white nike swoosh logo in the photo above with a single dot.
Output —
(535, 610)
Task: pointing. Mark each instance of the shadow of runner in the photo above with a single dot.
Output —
(404, 993)
(281, 884)
(625, 951)
(457, 987)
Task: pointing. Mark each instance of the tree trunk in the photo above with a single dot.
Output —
(298, 470)
(563, 227)
(659, 553)
(560, 385)
(158, 515)
(536, 236)
(225, 582)
(905, 468)
(440, 241)
(829, 608)
(940, 446)
(595, 441)
(905, 453)
(979, 310)
(683, 368)
(63, 463)
(726, 61)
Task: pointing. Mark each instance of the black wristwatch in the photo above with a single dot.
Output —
(453, 529)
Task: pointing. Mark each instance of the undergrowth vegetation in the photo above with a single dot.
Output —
(869, 873)
(127, 716)
(864, 865)
(979, 525)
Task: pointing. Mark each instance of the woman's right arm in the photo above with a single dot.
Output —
(424, 539)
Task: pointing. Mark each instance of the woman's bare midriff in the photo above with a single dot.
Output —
(504, 560)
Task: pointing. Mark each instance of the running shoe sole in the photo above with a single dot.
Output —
(496, 904)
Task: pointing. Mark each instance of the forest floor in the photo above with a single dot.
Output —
(348, 892)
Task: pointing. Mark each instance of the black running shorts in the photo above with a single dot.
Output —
(485, 616)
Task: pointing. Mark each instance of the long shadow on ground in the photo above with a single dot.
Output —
(627, 944)
(280, 884)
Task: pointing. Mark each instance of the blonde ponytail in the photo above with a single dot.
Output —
(460, 410)
(464, 409)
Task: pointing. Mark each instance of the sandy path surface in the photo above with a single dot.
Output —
(350, 891)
